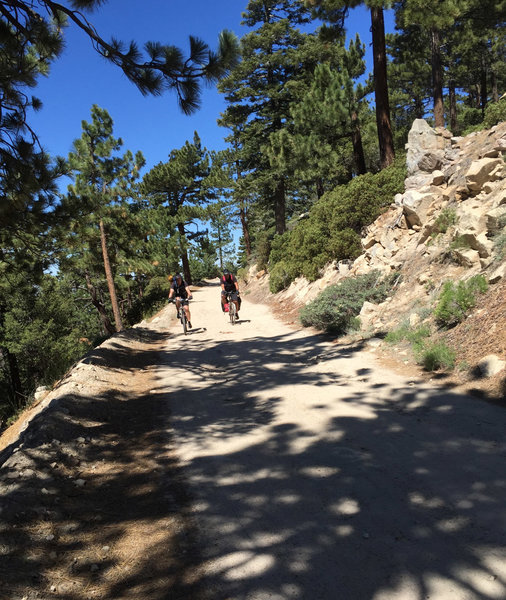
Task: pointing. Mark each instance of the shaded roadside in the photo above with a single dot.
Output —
(93, 503)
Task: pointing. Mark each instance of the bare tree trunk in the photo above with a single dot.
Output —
(437, 79)
(245, 228)
(110, 279)
(385, 138)
(495, 91)
(483, 84)
(358, 149)
(104, 319)
(184, 256)
(453, 106)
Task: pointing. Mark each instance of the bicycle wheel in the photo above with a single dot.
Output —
(184, 321)
(232, 312)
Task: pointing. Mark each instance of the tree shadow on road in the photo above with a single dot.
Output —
(401, 495)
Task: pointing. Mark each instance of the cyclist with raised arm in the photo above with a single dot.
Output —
(230, 289)
(182, 294)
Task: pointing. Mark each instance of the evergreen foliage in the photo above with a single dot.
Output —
(336, 308)
(332, 229)
(175, 195)
(455, 301)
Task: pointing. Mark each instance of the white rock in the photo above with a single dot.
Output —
(414, 319)
(467, 258)
(490, 365)
(498, 274)
(438, 177)
(481, 171)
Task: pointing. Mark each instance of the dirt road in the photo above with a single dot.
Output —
(315, 474)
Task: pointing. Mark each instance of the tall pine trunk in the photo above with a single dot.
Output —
(437, 79)
(358, 149)
(110, 279)
(280, 207)
(493, 82)
(243, 216)
(483, 83)
(385, 138)
(99, 305)
(184, 256)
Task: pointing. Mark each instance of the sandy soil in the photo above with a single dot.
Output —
(250, 462)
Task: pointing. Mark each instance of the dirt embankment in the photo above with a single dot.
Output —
(92, 500)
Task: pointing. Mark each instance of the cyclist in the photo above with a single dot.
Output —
(181, 291)
(230, 287)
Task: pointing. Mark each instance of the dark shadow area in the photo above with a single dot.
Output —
(94, 498)
(406, 500)
(375, 495)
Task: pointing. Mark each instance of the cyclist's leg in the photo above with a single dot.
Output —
(186, 309)
(223, 300)
(178, 304)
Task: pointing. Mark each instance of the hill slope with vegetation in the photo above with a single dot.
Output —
(430, 276)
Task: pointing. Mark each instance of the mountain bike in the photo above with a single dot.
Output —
(181, 315)
(232, 309)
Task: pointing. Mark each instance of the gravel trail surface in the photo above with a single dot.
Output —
(316, 474)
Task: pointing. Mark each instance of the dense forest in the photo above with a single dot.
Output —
(315, 151)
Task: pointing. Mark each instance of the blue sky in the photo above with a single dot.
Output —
(81, 78)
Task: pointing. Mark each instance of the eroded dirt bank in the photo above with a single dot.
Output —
(92, 503)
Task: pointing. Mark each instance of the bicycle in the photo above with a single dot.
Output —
(232, 310)
(181, 315)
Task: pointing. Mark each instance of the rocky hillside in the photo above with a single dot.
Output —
(448, 225)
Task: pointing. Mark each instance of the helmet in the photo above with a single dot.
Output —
(226, 272)
(178, 276)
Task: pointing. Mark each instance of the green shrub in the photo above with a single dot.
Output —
(459, 242)
(446, 218)
(332, 230)
(437, 356)
(495, 112)
(500, 247)
(336, 308)
(455, 301)
(415, 337)
(281, 276)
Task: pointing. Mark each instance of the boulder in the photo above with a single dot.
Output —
(40, 392)
(467, 258)
(425, 148)
(490, 365)
(438, 177)
(415, 206)
(417, 181)
(483, 170)
(367, 314)
(496, 218)
(476, 241)
(498, 274)
(471, 216)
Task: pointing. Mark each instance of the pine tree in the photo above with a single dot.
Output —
(103, 181)
(324, 145)
(260, 90)
(220, 234)
(177, 192)
(336, 11)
